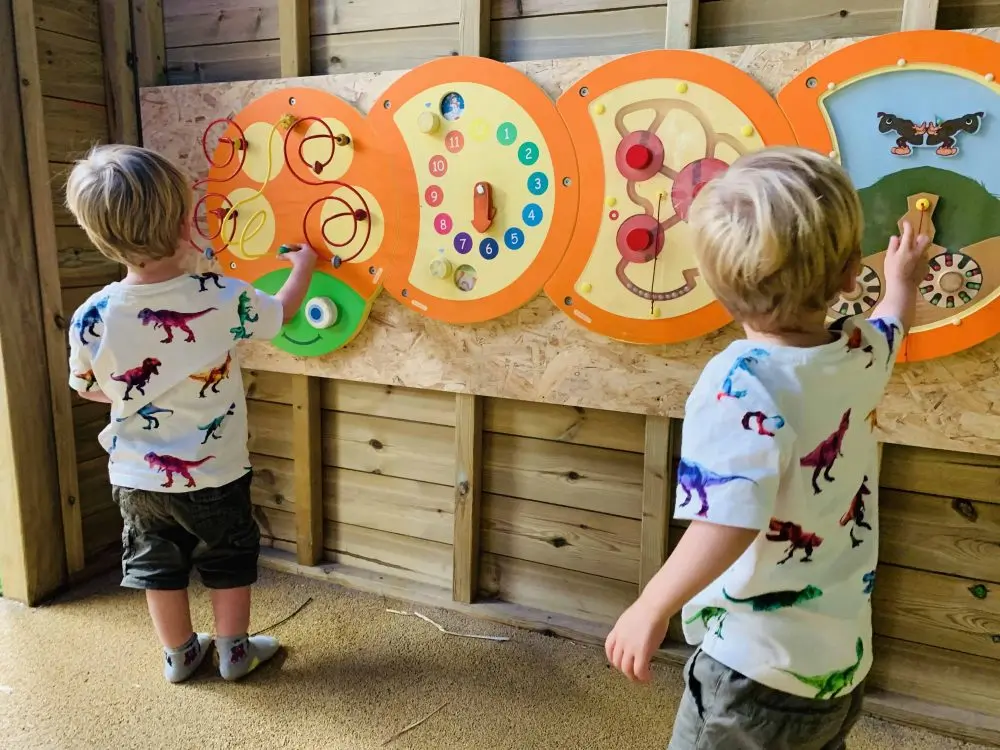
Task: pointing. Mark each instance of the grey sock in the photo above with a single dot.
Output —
(181, 662)
(240, 655)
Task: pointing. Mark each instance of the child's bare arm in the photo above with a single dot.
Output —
(905, 266)
(293, 291)
(703, 554)
(94, 395)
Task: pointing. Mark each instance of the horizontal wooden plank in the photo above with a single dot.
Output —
(72, 128)
(400, 506)
(188, 23)
(576, 476)
(968, 14)
(956, 537)
(937, 610)
(102, 531)
(80, 263)
(562, 537)
(211, 63)
(95, 488)
(58, 173)
(607, 33)
(556, 590)
(602, 429)
(526, 8)
(71, 68)
(968, 476)
(339, 16)
(937, 675)
(394, 49)
(88, 421)
(270, 429)
(77, 18)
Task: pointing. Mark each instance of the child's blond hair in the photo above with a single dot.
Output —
(775, 234)
(132, 202)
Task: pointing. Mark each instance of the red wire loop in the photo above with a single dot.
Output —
(319, 165)
(357, 216)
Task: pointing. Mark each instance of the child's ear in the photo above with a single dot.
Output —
(851, 271)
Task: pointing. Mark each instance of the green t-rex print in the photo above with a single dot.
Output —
(246, 314)
(773, 600)
(832, 684)
(707, 614)
(213, 427)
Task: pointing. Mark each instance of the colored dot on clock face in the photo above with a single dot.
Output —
(442, 224)
(489, 248)
(438, 166)
(527, 154)
(532, 214)
(513, 238)
(463, 243)
(454, 141)
(507, 133)
(538, 183)
(434, 196)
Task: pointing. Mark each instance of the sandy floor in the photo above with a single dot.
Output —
(84, 673)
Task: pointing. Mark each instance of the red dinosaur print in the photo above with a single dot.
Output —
(760, 422)
(786, 531)
(855, 341)
(237, 653)
(856, 513)
(872, 419)
(87, 377)
(171, 465)
(213, 377)
(822, 458)
(168, 320)
(138, 377)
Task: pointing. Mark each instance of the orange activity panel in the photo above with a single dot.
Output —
(299, 165)
(488, 188)
(913, 117)
(651, 130)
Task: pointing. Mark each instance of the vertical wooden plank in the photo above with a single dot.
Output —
(307, 418)
(474, 27)
(919, 14)
(682, 24)
(468, 485)
(657, 490)
(293, 35)
(150, 43)
(32, 558)
(120, 85)
(53, 317)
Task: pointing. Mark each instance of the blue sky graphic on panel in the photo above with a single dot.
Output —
(918, 95)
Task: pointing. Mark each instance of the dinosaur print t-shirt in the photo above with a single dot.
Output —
(782, 440)
(165, 356)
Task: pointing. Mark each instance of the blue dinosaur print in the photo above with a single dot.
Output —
(888, 330)
(743, 362)
(89, 320)
(761, 423)
(149, 412)
(212, 428)
(693, 477)
(869, 580)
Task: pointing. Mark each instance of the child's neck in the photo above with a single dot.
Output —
(155, 271)
(813, 332)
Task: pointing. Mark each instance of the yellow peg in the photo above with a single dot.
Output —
(747, 131)
(923, 204)
(611, 201)
(682, 88)
(600, 109)
(586, 287)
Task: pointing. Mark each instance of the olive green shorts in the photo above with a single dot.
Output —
(168, 533)
(724, 710)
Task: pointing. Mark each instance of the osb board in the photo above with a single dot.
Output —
(537, 353)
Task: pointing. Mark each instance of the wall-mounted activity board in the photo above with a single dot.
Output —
(487, 180)
(299, 165)
(651, 129)
(913, 117)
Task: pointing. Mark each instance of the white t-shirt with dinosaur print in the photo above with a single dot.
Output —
(165, 356)
(782, 440)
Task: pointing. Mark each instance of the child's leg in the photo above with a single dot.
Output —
(171, 615)
(232, 611)
(239, 653)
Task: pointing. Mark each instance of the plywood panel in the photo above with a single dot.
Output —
(382, 50)
(596, 427)
(80, 263)
(936, 610)
(239, 61)
(595, 479)
(961, 475)
(339, 16)
(562, 537)
(71, 68)
(188, 23)
(72, 128)
(73, 17)
(957, 537)
(556, 590)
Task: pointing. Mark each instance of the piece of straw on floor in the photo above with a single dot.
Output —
(415, 724)
(301, 607)
(425, 618)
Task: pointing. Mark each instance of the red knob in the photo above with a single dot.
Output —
(638, 239)
(638, 156)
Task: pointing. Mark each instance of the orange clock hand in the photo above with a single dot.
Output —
(483, 210)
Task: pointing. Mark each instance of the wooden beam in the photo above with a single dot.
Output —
(682, 24)
(150, 43)
(474, 28)
(657, 490)
(293, 35)
(119, 76)
(307, 441)
(54, 318)
(468, 487)
(919, 14)
(32, 557)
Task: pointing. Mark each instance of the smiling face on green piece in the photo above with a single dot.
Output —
(308, 334)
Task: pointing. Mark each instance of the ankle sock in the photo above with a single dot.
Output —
(240, 655)
(181, 662)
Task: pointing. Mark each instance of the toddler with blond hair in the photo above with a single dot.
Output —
(159, 347)
(779, 468)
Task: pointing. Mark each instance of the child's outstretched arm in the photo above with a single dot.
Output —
(293, 291)
(905, 266)
(703, 554)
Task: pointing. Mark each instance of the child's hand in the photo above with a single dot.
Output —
(904, 259)
(303, 257)
(636, 635)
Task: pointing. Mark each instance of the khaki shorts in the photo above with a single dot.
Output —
(724, 710)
